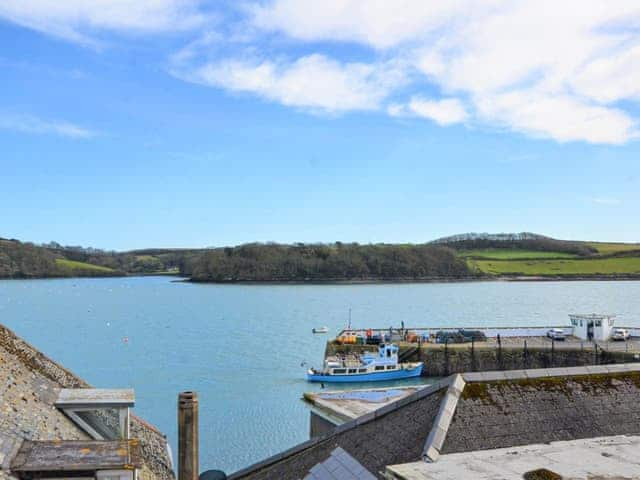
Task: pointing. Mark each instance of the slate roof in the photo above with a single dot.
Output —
(338, 466)
(29, 387)
(473, 412)
(591, 402)
(393, 434)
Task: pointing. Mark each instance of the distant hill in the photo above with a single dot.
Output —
(464, 256)
(528, 255)
(496, 237)
(517, 241)
(26, 260)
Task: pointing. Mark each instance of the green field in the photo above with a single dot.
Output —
(592, 266)
(73, 266)
(512, 254)
(609, 248)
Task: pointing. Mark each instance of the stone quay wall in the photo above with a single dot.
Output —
(440, 360)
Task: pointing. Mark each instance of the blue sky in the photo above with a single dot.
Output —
(189, 123)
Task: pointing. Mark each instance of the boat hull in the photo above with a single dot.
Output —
(367, 377)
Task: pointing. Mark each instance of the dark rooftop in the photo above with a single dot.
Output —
(30, 384)
(476, 411)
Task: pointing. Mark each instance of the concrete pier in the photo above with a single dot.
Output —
(510, 353)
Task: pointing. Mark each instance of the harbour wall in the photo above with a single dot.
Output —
(440, 360)
(489, 332)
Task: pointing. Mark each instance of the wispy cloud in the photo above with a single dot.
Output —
(35, 125)
(566, 71)
(444, 112)
(606, 201)
(534, 67)
(79, 20)
(313, 82)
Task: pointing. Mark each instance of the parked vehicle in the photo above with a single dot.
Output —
(620, 334)
(556, 334)
(475, 335)
(443, 336)
(460, 336)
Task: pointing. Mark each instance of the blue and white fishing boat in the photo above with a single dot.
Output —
(369, 367)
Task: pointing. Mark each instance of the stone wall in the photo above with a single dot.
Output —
(440, 361)
(508, 413)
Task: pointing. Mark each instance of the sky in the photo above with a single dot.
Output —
(193, 123)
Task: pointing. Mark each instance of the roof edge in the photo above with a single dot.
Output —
(440, 427)
(37, 361)
(507, 375)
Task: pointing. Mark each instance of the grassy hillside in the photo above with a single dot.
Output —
(82, 269)
(562, 267)
(25, 260)
(511, 254)
(611, 248)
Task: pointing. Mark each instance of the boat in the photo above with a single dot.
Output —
(369, 367)
(320, 330)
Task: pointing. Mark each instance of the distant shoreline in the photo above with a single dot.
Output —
(504, 278)
(422, 280)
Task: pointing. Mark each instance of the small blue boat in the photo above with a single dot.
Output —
(370, 367)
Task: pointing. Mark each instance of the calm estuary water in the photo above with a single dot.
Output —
(240, 347)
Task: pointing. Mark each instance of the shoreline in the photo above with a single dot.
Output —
(177, 278)
(510, 278)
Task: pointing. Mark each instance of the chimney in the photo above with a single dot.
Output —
(188, 436)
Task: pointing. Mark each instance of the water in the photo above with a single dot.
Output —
(241, 346)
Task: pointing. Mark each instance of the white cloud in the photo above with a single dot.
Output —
(443, 112)
(35, 125)
(76, 19)
(550, 69)
(606, 201)
(568, 71)
(312, 82)
(380, 23)
(563, 118)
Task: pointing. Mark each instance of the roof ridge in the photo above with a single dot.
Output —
(501, 375)
(440, 427)
(37, 361)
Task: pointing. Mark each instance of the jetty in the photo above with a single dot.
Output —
(586, 341)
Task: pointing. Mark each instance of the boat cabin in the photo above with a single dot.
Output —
(388, 351)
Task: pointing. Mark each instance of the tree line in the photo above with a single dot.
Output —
(540, 244)
(271, 261)
(338, 261)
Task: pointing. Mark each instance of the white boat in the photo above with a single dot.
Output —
(320, 330)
